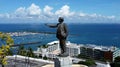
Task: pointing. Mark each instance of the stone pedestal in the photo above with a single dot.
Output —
(63, 62)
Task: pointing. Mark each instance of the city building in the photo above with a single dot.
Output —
(86, 50)
(116, 53)
(72, 49)
(53, 49)
(97, 52)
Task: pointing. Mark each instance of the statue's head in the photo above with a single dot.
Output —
(61, 19)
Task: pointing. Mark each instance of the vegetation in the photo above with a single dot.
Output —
(116, 62)
(87, 57)
(45, 58)
(117, 59)
(82, 56)
(44, 46)
(30, 52)
(25, 52)
(6, 41)
(21, 50)
(88, 62)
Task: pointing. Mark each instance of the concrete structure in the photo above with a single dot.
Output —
(63, 62)
(53, 49)
(97, 52)
(116, 53)
(73, 65)
(23, 61)
(73, 49)
(88, 50)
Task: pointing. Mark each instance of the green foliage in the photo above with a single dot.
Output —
(10, 52)
(5, 48)
(44, 46)
(30, 52)
(117, 59)
(25, 52)
(45, 58)
(82, 56)
(88, 62)
(21, 50)
(116, 62)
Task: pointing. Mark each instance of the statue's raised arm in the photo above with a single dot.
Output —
(52, 25)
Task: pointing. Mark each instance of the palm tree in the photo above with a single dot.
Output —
(21, 50)
(30, 52)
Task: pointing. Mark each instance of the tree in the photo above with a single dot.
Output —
(45, 58)
(116, 62)
(117, 59)
(21, 50)
(30, 52)
(44, 46)
(88, 62)
(6, 41)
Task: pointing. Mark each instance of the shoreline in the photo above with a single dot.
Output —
(17, 34)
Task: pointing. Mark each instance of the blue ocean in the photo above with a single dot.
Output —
(98, 34)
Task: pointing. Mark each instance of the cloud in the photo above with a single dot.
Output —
(82, 14)
(20, 12)
(64, 11)
(47, 11)
(35, 13)
(33, 10)
(6, 15)
(30, 12)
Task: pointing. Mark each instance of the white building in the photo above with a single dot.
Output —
(53, 49)
(73, 49)
(116, 53)
(52, 46)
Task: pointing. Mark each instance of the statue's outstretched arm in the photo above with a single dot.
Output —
(52, 25)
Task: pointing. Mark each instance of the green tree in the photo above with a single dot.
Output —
(117, 59)
(21, 50)
(116, 62)
(6, 41)
(45, 58)
(44, 46)
(30, 52)
(88, 62)
(82, 56)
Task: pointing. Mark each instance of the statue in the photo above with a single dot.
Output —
(61, 34)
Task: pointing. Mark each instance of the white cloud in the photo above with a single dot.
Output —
(20, 12)
(33, 10)
(82, 14)
(30, 12)
(64, 11)
(35, 13)
(6, 15)
(47, 11)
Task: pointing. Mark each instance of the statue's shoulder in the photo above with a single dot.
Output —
(64, 23)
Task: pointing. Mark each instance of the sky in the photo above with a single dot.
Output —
(73, 11)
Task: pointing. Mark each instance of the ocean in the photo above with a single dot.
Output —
(98, 34)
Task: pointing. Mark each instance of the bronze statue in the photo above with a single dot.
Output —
(61, 34)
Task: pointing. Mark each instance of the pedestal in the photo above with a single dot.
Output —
(63, 62)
